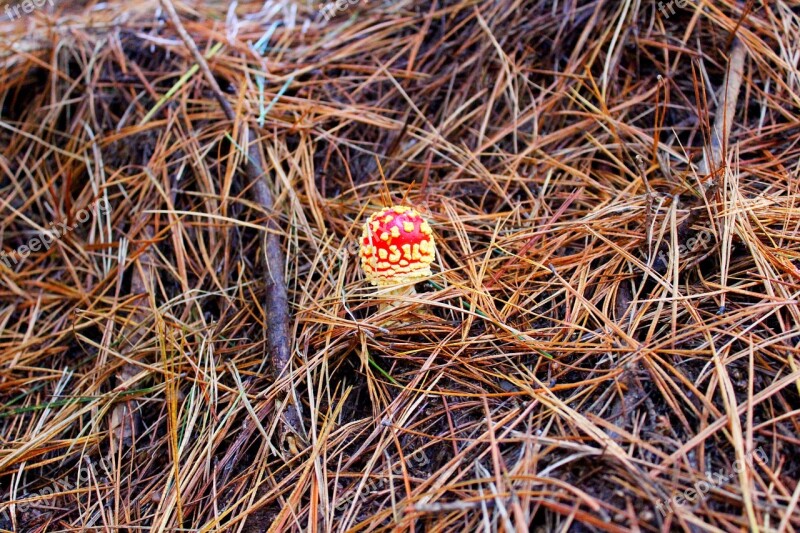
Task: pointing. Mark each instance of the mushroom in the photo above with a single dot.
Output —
(397, 249)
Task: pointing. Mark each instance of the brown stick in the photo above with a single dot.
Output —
(724, 120)
(125, 415)
(277, 301)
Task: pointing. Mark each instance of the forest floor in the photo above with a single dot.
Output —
(609, 337)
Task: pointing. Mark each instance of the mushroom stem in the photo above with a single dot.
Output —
(394, 298)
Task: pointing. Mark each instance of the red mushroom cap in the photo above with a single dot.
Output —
(397, 246)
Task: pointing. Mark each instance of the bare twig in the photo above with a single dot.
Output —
(279, 343)
(712, 160)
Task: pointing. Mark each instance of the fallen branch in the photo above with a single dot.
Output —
(713, 159)
(125, 416)
(277, 301)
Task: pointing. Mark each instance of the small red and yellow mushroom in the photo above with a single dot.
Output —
(397, 248)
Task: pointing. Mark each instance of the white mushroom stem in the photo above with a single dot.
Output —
(393, 297)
